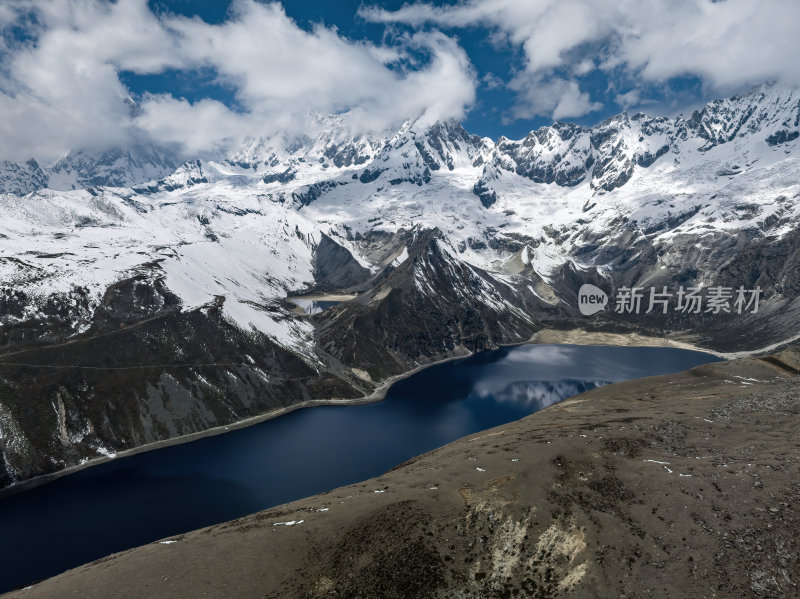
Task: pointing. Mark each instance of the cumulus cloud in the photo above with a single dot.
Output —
(558, 98)
(492, 81)
(628, 99)
(62, 89)
(61, 86)
(728, 44)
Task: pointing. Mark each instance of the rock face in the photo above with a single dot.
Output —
(426, 307)
(664, 487)
(452, 244)
(144, 372)
(118, 167)
(21, 179)
(335, 268)
(608, 154)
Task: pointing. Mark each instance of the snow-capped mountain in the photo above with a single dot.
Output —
(21, 179)
(118, 167)
(160, 290)
(115, 167)
(607, 155)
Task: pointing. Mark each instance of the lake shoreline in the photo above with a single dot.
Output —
(577, 479)
(542, 337)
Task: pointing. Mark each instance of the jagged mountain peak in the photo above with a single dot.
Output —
(770, 109)
(279, 157)
(603, 158)
(121, 166)
(114, 167)
(22, 178)
(606, 156)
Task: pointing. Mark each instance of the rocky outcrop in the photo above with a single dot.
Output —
(335, 268)
(428, 307)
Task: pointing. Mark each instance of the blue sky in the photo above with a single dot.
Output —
(484, 118)
(494, 64)
(206, 73)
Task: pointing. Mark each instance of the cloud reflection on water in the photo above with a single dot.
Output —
(535, 395)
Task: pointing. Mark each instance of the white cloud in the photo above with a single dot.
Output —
(730, 45)
(64, 90)
(628, 99)
(492, 81)
(205, 126)
(555, 97)
(61, 89)
(574, 103)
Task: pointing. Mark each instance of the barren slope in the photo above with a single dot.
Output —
(675, 486)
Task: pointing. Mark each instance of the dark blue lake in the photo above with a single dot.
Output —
(135, 500)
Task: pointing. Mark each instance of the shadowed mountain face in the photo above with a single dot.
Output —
(452, 244)
(21, 179)
(427, 306)
(335, 268)
(137, 379)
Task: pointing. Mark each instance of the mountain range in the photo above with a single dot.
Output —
(144, 298)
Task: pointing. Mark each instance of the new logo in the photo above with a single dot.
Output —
(591, 299)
